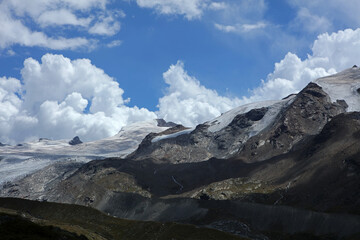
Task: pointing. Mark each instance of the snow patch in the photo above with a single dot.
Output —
(343, 86)
(172, 135)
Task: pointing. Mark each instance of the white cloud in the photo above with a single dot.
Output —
(62, 17)
(306, 20)
(331, 53)
(240, 28)
(191, 9)
(106, 26)
(188, 102)
(35, 8)
(218, 6)
(15, 32)
(329, 12)
(52, 101)
(239, 17)
(9, 104)
(18, 19)
(114, 43)
(225, 28)
(11, 52)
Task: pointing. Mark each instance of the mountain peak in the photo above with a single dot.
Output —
(75, 141)
(345, 86)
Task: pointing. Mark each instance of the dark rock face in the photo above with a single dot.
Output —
(75, 141)
(342, 103)
(304, 117)
(256, 114)
(43, 139)
(163, 123)
(331, 168)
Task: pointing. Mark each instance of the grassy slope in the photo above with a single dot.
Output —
(13, 227)
(96, 225)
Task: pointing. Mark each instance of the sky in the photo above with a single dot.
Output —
(89, 67)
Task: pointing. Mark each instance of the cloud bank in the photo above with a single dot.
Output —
(60, 98)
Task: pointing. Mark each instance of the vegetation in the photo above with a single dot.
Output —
(78, 222)
(14, 227)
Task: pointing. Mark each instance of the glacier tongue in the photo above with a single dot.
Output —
(19, 161)
(343, 86)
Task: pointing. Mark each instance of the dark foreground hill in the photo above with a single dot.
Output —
(24, 219)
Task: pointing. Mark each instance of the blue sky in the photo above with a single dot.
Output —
(183, 60)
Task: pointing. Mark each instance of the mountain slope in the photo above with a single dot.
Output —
(343, 86)
(26, 158)
(249, 171)
(92, 224)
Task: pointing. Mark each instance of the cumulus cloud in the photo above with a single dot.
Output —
(18, 19)
(9, 104)
(188, 102)
(331, 53)
(61, 98)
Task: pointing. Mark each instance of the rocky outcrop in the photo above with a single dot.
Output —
(304, 117)
(75, 141)
(163, 123)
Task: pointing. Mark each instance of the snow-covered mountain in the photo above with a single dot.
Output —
(343, 86)
(26, 158)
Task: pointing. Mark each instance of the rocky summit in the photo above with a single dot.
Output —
(287, 169)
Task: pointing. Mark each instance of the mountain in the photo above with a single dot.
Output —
(287, 169)
(253, 132)
(26, 158)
